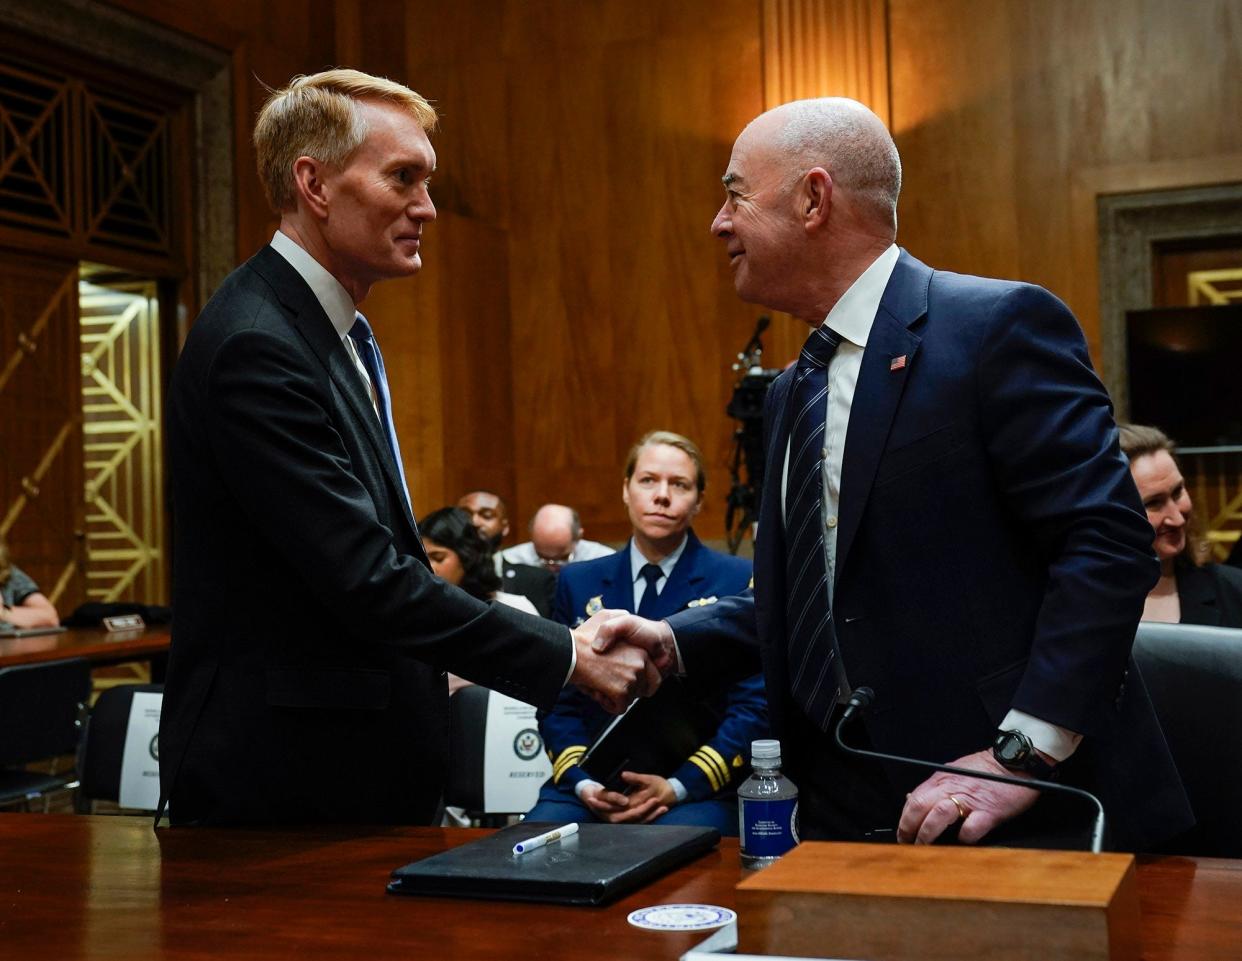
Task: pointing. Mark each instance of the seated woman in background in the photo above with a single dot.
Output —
(1190, 591)
(460, 555)
(21, 604)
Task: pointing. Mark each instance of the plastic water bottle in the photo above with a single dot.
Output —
(767, 808)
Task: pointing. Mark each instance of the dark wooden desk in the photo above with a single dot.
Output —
(77, 887)
(95, 644)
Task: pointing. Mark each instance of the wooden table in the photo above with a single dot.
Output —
(78, 887)
(95, 644)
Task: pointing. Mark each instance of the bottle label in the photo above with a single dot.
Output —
(768, 828)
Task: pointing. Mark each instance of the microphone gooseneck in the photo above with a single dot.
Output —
(862, 698)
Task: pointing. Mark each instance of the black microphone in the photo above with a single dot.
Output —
(861, 700)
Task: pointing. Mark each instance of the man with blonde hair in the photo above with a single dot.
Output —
(307, 674)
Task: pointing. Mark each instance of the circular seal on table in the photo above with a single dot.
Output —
(681, 917)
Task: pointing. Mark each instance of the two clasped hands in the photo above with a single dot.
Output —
(622, 656)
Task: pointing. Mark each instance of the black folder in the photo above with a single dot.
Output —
(655, 735)
(595, 866)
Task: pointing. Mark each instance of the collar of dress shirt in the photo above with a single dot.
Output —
(638, 562)
(853, 315)
(332, 297)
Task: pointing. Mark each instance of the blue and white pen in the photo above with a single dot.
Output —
(531, 844)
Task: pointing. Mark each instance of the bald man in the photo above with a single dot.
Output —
(948, 520)
(556, 540)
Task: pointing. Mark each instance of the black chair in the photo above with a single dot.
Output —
(41, 711)
(103, 744)
(520, 751)
(1194, 676)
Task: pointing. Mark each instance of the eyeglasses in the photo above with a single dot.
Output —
(554, 564)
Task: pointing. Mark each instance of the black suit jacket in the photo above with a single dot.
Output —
(1211, 594)
(991, 550)
(306, 680)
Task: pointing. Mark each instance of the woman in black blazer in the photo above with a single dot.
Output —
(1190, 590)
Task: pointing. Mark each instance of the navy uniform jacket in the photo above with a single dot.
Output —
(700, 578)
(992, 551)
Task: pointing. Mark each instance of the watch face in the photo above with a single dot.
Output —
(1010, 748)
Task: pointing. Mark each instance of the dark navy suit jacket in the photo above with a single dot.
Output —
(700, 578)
(992, 551)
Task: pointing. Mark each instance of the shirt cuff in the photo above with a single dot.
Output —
(573, 659)
(582, 785)
(1057, 742)
(679, 789)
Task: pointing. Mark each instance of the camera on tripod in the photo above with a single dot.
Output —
(746, 406)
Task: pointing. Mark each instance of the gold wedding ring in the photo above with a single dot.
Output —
(961, 808)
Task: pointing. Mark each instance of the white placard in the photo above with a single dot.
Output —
(140, 764)
(515, 766)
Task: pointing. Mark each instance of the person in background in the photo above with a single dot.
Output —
(556, 540)
(1190, 590)
(21, 602)
(490, 516)
(460, 555)
(664, 569)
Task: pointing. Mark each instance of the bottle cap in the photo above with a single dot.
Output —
(765, 750)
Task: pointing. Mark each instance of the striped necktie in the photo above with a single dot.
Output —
(812, 646)
(373, 361)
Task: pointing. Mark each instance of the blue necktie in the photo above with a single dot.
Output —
(647, 606)
(373, 361)
(812, 647)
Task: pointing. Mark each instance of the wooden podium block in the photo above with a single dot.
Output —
(930, 903)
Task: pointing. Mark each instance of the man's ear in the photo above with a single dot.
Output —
(311, 186)
(816, 198)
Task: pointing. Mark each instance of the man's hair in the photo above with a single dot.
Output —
(575, 522)
(1138, 440)
(317, 116)
(451, 528)
(851, 143)
(684, 444)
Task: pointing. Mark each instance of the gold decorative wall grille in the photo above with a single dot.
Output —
(122, 440)
(60, 138)
(1214, 288)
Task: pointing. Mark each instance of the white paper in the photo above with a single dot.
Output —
(515, 765)
(140, 764)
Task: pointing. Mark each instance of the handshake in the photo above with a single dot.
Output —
(620, 657)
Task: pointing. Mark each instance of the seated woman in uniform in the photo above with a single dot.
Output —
(461, 555)
(21, 603)
(663, 569)
(1190, 590)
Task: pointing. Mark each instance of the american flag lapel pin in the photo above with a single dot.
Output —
(897, 363)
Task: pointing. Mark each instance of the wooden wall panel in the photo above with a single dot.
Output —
(590, 138)
(572, 296)
(999, 108)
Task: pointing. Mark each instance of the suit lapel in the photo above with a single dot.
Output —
(879, 389)
(317, 330)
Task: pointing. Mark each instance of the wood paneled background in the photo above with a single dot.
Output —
(572, 296)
